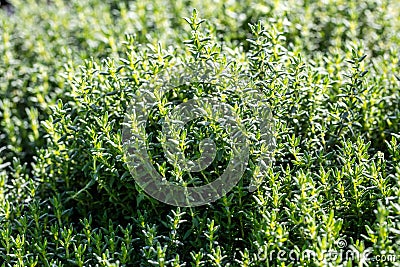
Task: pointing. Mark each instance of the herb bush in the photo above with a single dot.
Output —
(329, 71)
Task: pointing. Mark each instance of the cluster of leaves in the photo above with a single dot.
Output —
(327, 69)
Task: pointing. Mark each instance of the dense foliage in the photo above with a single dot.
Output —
(329, 71)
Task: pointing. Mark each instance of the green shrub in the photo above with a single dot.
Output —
(326, 68)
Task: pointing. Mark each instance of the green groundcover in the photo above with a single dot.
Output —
(321, 187)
